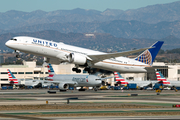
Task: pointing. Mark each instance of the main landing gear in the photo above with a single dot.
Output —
(87, 69)
(81, 89)
(95, 88)
(77, 70)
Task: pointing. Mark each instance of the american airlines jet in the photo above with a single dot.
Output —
(57, 53)
(14, 81)
(76, 80)
(140, 84)
(165, 82)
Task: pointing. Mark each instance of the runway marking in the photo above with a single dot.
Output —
(81, 112)
(143, 103)
(15, 99)
(155, 94)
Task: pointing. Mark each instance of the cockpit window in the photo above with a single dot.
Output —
(14, 39)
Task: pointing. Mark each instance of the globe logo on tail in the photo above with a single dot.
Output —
(145, 57)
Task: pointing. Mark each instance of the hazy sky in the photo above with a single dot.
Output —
(52, 5)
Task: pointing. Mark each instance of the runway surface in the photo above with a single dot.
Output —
(158, 105)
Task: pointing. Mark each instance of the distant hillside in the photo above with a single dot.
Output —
(117, 28)
(146, 22)
(100, 41)
(150, 14)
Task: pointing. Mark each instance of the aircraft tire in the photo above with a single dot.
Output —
(86, 69)
(62, 90)
(17, 56)
(74, 69)
(78, 71)
(81, 89)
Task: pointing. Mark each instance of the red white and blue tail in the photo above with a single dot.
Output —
(51, 72)
(120, 79)
(12, 78)
(162, 79)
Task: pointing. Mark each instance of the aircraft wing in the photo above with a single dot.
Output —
(100, 57)
(29, 80)
(146, 84)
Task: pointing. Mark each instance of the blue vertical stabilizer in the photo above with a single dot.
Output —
(149, 55)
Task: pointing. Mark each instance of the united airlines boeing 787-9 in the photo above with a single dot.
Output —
(57, 53)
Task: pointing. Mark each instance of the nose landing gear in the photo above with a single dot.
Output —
(17, 56)
(17, 53)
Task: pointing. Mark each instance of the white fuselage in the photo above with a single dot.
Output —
(175, 83)
(79, 80)
(60, 51)
(171, 83)
(28, 82)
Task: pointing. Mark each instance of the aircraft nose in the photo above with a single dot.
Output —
(99, 82)
(7, 43)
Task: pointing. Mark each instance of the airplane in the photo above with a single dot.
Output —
(65, 81)
(165, 82)
(57, 52)
(14, 81)
(141, 84)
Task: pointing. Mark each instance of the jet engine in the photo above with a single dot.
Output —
(77, 59)
(63, 86)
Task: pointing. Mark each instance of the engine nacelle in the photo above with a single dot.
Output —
(63, 86)
(77, 59)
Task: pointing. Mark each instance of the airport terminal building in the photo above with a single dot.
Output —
(29, 70)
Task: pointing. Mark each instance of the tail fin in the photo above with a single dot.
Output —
(161, 78)
(120, 79)
(149, 55)
(50, 71)
(12, 78)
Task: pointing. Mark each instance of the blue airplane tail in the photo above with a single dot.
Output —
(149, 55)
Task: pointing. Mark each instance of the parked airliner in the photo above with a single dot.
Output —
(141, 84)
(165, 82)
(57, 53)
(14, 81)
(74, 80)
